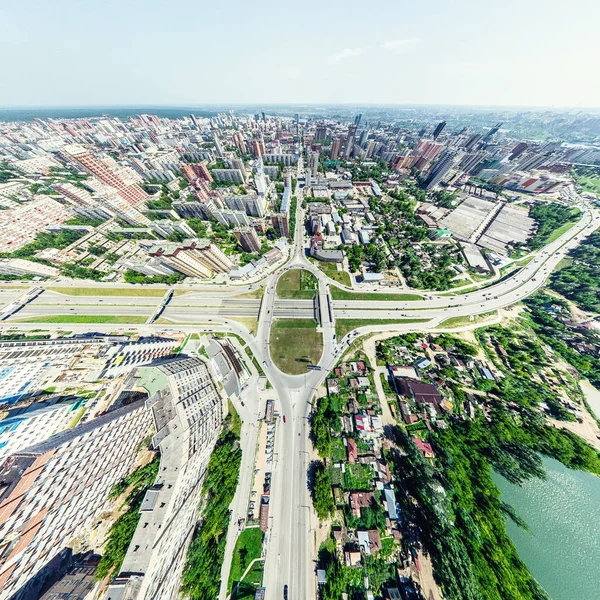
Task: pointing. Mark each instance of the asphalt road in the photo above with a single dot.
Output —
(290, 542)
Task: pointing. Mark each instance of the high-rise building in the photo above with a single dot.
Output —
(238, 140)
(470, 143)
(218, 146)
(195, 122)
(492, 132)
(36, 423)
(128, 190)
(193, 171)
(248, 239)
(350, 141)
(357, 119)
(321, 131)
(52, 490)
(444, 163)
(439, 128)
(371, 147)
(195, 258)
(518, 150)
(256, 148)
(228, 175)
(187, 412)
(313, 163)
(336, 147)
(252, 204)
(280, 222)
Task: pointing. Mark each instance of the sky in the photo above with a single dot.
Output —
(184, 52)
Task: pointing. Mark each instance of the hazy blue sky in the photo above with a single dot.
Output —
(107, 52)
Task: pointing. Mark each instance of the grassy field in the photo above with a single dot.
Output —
(461, 321)
(558, 232)
(108, 291)
(247, 548)
(339, 294)
(344, 326)
(247, 589)
(589, 183)
(254, 294)
(297, 283)
(331, 271)
(295, 343)
(248, 322)
(122, 319)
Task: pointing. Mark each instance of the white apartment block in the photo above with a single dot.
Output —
(229, 175)
(286, 159)
(54, 489)
(188, 413)
(30, 366)
(34, 424)
(252, 204)
(20, 225)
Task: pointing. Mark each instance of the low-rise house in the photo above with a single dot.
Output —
(390, 502)
(360, 500)
(424, 447)
(419, 391)
(352, 450)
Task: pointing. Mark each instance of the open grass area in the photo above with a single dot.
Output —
(298, 284)
(295, 343)
(340, 294)
(462, 321)
(248, 322)
(331, 271)
(109, 291)
(247, 548)
(589, 183)
(344, 326)
(558, 232)
(246, 590)
(121, 319)
(253, 295)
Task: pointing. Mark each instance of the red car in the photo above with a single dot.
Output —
(284, 419)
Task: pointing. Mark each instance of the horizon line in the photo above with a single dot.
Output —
(284, 104)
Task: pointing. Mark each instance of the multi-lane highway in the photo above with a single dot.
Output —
(290, 537)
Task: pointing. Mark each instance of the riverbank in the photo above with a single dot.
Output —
(562, 547)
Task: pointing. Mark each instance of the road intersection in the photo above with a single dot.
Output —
(290, 547)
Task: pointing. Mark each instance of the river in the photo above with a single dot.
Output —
(562, 549)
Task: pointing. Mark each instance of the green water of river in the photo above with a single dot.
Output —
(562, 549)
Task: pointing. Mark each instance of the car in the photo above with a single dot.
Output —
(253, 494)
(284, 419)
(285, 592)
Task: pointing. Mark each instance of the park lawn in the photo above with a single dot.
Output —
(297, 283)
(253, 580)
(295, 343)
(121, 319)
(340, 294)
(331, 271)
(247, 547)
(344, 326)
(461, 321)
(108, 291)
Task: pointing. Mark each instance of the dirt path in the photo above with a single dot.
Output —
(429, 587)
